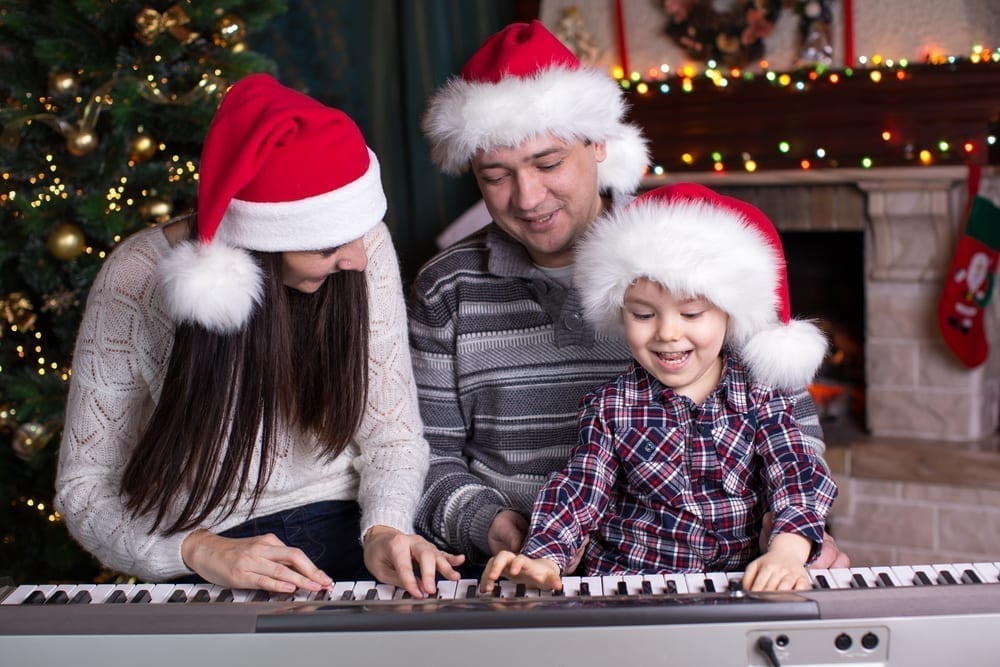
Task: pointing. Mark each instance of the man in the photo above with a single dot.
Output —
(501, 352)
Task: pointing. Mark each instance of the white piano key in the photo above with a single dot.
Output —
(465, 585)
(841, 577)
(696, 581)
(657, 584)
(962, 570)
(385, 591)
(926, 570)
(904, 574)
(446, 589)
(862, 575)
(21, 593)
(633, 583)
(720, 579)
(363, 589)
(507, 588)
(609, 583)
(821, 576)
(571, 586)
(989, 572)
(947, 568)
(889, 573)
(341, 587)
(164, 592)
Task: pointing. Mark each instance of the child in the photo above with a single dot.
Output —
(680, 456)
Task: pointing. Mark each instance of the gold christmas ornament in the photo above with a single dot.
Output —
(16, 309)
(150, 23)
(63, 83)
(66, 242)
(142, 147)
(81, 142)
(29, 439)
(229, 31)
(156, 210)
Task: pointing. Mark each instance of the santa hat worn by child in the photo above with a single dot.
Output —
(696, 242)
(522, 83)
(279, 172)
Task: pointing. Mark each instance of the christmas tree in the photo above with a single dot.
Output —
(103, 107)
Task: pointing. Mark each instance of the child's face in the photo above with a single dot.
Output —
(677, 340)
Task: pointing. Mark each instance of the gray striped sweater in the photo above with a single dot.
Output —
(502, 357)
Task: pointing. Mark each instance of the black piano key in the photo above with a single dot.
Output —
(117, 597)
(709, 586)
(202, 596)
(671, 587)
(59, 597)
(520, 591)
(347, 595)
(322, 595)
(622, 588)
(225, 595)
(945, 577)
(407, 596)
(81, 597)
(36, 597)
(858, 581)
(883, 580)
(735, 585)
(921, 579)
(260, 596)
(969, 576)
(497, 591)
(584, 588)
(470, 591)
(821, 581)
(142, 597)
(178, 596)
(372, 594)
(561, 593)
(647, 587)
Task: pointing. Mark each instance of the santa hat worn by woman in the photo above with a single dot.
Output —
(523, 83)
(279, 172)
(696, 242)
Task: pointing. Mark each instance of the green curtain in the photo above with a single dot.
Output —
(379, 61)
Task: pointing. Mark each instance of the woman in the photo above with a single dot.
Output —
(242, 407)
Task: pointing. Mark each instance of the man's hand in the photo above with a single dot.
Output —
(262, 561)
(539, 573)
(507, 532)
(390, 555)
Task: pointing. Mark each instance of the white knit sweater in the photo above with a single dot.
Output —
(118, 369)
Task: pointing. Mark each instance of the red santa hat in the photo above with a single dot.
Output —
(522, 83)
(696, 242)
(279, 172)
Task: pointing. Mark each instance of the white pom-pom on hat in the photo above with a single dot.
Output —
(279, 172)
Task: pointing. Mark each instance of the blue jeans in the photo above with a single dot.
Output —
(328, 532)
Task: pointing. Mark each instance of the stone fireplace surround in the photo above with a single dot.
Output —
(921, 483)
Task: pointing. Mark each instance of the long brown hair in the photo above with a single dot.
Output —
(301, 362)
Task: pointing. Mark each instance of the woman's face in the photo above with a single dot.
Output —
(306, 270)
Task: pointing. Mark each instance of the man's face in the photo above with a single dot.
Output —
(543, 193)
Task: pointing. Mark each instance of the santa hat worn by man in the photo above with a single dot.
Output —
(696, 242)
(523, 83)
(279, 172)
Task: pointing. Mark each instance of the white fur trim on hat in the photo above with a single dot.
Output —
(695, 248)
(465, 117)
(324, 221)
(212, 284)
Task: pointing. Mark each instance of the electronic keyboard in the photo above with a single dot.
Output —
(943, 614)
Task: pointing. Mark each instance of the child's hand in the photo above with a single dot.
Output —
(782, 568)
(538, 572)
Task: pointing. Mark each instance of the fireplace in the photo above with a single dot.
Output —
(905, 220)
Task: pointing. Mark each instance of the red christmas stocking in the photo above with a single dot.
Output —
(969, 284)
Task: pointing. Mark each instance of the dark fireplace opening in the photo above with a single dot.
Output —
(826, 283)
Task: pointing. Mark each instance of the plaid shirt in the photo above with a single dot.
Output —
(663, 485)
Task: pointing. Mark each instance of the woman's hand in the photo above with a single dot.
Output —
(390, 555)
(262, 561)
(540, 573)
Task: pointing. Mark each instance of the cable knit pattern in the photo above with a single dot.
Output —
(118, 368)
